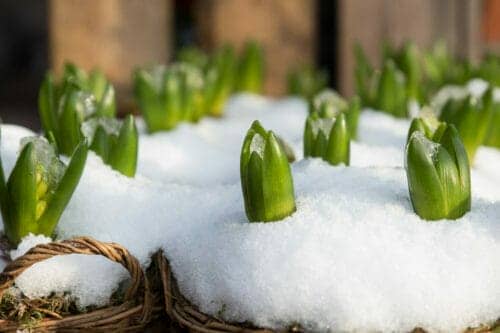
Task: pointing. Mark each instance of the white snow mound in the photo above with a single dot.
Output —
(354, 257)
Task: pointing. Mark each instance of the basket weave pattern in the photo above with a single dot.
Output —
(188, 316)
(132, 314)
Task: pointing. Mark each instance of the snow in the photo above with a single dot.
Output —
(258, 145)
(475, 87)
(354, 257)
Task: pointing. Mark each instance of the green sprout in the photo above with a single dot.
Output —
(472, 118)
(266, 179)
(391, 94)
(429, 125)
(493, 135)
(327, 137)
(38, 189)
(116, 142)
(168, 95)
(363, 76)
(193, 56)
(96, 93)
(438, 174)
(328, 103)
(306, 81)
(251, 69)
(219, 80)
(64, 106)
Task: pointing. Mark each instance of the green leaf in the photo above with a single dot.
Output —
(426, 191)
(64, 191)
(106, 106)
(352, 116)
(308, 138)
(277, 182)
(172, 100)
(47, 104)
(256, 205)
(101, 143)
(338, 146)
(450, 140)
(123, 154)
(150, 102)
(21, 189)
(70, 121)
(97, 84)
(251, 69)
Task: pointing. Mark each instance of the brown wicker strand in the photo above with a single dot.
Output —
(134, 312)
(187, 315)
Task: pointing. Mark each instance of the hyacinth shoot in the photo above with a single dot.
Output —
(438, 175)
(40, 186)
(116, 142)
(472, 118)
(266, 179)
(328, 138)
(65, 105)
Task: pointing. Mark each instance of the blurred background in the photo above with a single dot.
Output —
(119, 35)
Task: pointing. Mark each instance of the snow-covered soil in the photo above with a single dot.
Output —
(354, 257)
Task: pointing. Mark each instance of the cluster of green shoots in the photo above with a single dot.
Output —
(38, 189)
(438, 171)
(82, 107)
(395, 86)
(266, 179)
(331, 124)
(197, 85)
(306, 81)
(409, 75)
(476, 119)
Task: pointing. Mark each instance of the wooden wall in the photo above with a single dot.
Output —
(424, 21)
(114, 35)
(286, 29)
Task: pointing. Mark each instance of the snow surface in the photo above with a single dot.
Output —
(354, 257)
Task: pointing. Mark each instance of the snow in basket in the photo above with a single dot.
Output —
(353, 257)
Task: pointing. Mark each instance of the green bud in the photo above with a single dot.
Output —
(147, 91)
(47, 105)
(328, 104)
(352, 116)
(38, 189)
(266, 178)
(167, 96)
(74, 108)
(391, 95)
(219, 81)
(328, 138)
(493, 136)
(306, 81)
(194, 56)
(115, 142)
(123, 153)
(438, 175)
(408, 61)
(472, 118)
(428, 125)
(65, 105)
(251, 69)
(191, 85)
(363, 75)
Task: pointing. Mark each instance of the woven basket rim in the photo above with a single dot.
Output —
(187, 315)
(134, 313)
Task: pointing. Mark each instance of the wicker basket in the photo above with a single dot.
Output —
(180, 310)
(133, 314)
